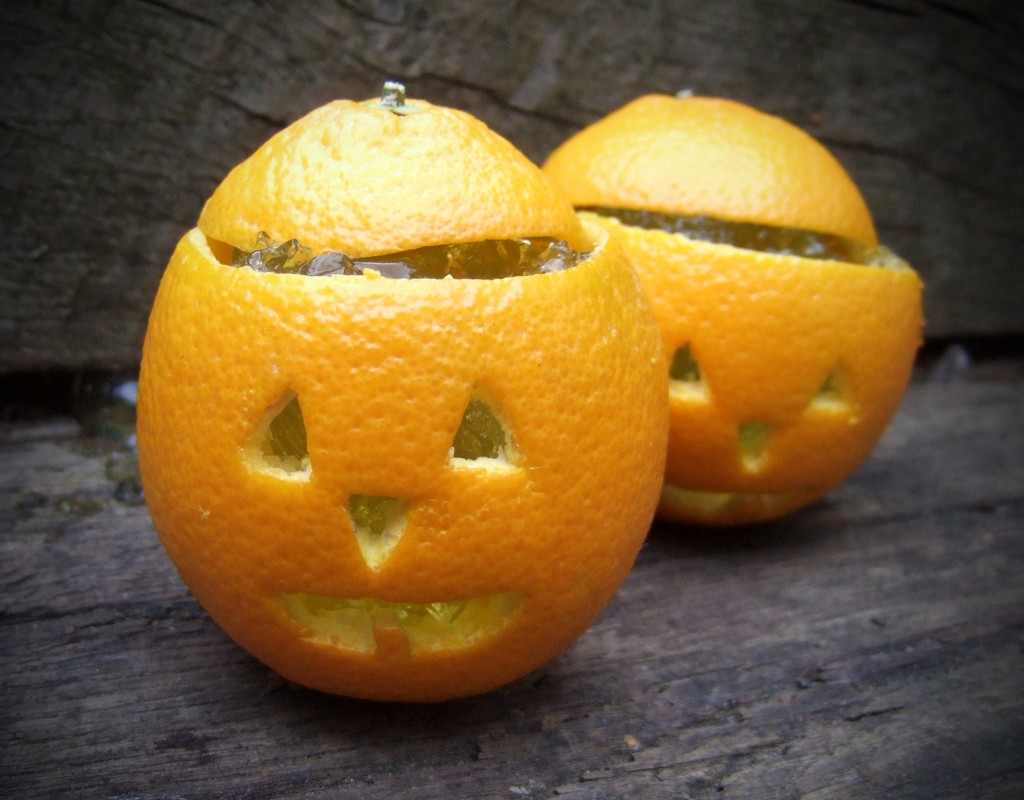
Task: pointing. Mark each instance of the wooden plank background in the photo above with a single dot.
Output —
(870, 646)
(118, 117)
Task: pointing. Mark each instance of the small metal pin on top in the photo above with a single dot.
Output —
(392, 98)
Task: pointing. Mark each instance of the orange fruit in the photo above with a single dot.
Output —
(399, 489)
(787, 363)
(359, 179)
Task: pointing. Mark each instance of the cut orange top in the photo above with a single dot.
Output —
(361, 179)
(713, 157)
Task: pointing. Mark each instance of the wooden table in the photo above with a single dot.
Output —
(871, 646)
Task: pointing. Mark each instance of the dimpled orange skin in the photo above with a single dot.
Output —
(383, 370)
(766, 330)
(714, 157)
(359, 179)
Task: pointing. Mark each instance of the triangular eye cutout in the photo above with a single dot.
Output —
(684, 366)
(278, 446)
(833, 394)
(483, 438)
(685, 378)
(379, 522)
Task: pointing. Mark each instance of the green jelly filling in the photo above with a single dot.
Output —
(752, 236)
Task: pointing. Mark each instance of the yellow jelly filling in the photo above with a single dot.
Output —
(489, 259)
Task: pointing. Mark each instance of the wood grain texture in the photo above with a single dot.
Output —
(870, 646)
(118, 118)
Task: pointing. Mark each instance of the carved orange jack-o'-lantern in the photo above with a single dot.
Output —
(791, 334)
(399, 489)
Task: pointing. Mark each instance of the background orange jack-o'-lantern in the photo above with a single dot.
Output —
(399, 489)
(791, 334)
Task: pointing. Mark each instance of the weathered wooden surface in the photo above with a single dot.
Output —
(871, 646)
(118, 118)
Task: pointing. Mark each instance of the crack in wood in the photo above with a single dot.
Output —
(875, 712)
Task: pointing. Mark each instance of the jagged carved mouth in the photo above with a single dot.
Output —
(446, 625)
(710, 504)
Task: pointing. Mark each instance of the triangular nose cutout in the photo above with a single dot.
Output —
(379, 522)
